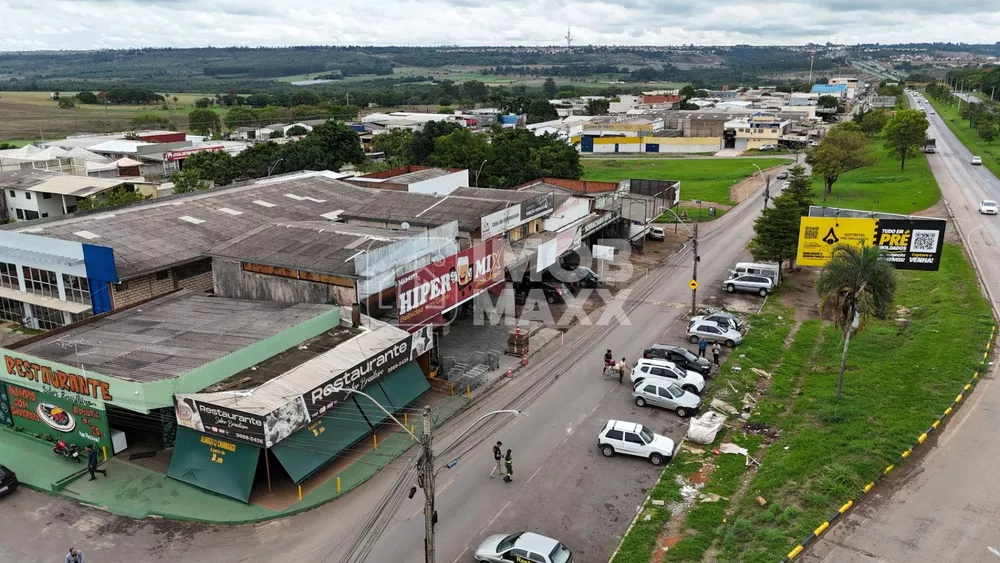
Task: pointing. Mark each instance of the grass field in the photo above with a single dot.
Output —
(707, 179)
(883, 187)
(897, 384)
(990, 152)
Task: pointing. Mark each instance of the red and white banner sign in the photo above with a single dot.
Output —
(181, 154)
(423, 294)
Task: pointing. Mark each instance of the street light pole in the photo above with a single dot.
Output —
(271, 168)
(767, 190)
(479, 172)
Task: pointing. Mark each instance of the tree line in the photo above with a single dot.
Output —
(982, 116)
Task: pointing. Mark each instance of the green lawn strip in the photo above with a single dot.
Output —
(695, 214)
(897, 384)
(968, 136)
(640, 540)
(913, 189)
(707, 179)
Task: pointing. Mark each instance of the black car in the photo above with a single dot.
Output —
(8, 481)
(554, 291)
(680, 356)
(575, 277)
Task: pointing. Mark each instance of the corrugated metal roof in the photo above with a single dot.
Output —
(170, 336)
(424, 209)
(313, 373)
(313, 246)
(58, 183)
(419, 176)
(151, 236)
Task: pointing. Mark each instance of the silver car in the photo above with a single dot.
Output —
(713, 332)
(664, 393)
(522, 546)
(749, 283)
(722, 318)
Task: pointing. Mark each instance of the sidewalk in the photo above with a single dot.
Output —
(136, 492)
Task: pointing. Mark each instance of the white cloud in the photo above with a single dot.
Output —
(96, 24)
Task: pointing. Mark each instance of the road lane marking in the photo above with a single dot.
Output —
(533, 475)
(494, 519)
(461, 554)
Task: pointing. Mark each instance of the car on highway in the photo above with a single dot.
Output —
(680, 356)
(988, 207)
(522, 546)
(666, 394)
(977, 160)
(723, 318)
(8, 481)
(752, 284)
(782, 175)
(712, 332)
(688, 380)
(629, 438)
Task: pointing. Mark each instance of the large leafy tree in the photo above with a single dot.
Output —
(328, 146)
(873, 122)
(905, 133)
(239, 116)
(799, 190)
(776, 232)
(113, 197)
(463, 149)
(218, 167)
(598, 106)
(203, 121)
(855, 286)
(521, 156)
(844, 148)
(475, 91)
(541, 110)
(549, 88)
(422, 145)
(395, 144)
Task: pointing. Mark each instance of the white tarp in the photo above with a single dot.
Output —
(704, 428)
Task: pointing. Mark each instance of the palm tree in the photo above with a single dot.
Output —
(856, 285)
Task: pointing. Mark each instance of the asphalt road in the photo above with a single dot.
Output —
(947, 506)
(562, 486)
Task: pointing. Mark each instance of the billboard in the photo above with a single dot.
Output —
(499, 222)
(326, 396)
(45, 414)
(536, 207)
(425, 293)
(909, 243)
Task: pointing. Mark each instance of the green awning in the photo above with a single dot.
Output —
(308, 450)
(222, 466)
(374, 414)
(404, 385)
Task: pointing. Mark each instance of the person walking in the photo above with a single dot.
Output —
(716, 350)
(621, 367)
(702, 345)
(609, 363)
(508, 463)
(92, 464)
(498, 456)
(74, 556)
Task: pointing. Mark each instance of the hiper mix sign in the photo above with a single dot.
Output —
(423, 294)
(908, 243)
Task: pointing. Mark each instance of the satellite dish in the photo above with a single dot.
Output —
(404, 226)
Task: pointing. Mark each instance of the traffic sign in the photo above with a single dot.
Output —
(693, 285)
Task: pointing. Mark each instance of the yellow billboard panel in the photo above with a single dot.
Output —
(819, 235)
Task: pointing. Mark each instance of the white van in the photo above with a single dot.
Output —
(771, 271)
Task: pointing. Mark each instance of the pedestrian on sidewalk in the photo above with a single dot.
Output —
(509, 466)
(92, 464)
(498, 456)
(702, 345)
(74, 556)
(716, 350)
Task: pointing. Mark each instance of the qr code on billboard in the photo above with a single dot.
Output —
(924, 241)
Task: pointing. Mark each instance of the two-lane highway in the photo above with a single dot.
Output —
(947, 508)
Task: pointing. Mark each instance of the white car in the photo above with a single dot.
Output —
(629, 438)
(713, 332)
(691, 381)
(977, 160)
(753, 284)
(767, 147)
(522, 546)
(988, 207)
(666, 394)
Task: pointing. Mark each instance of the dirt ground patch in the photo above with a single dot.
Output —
(46, 121)
(797, 291)
(740, 191)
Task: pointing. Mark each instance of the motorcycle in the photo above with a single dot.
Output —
(68, 451)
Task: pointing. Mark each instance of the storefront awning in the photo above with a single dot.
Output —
(374, 414)
(306, 451)
(214, 464)
(404, 385)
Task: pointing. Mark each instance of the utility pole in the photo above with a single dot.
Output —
(694, 274)
(767, 188)
(427, 471)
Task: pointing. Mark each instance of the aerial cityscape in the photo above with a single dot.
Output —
(484, 282)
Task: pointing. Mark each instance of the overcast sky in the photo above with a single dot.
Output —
(95, 24)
